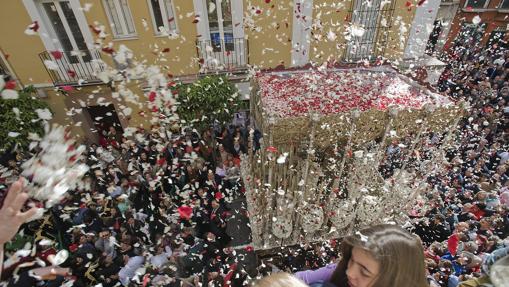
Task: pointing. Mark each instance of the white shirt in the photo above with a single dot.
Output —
(159, 260)
(129, 270)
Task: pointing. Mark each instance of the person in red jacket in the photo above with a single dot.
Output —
(455, 238)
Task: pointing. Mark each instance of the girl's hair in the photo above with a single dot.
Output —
(399, 253)
(280, 280)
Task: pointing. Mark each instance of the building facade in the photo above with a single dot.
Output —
(479, 22)
(186, 39)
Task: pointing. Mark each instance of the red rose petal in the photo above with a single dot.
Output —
(108, 50)
(94, 29)
(185, 212)
(67, 88)
(152, 96)
(10, 85)
(34, 26)
(57, 55)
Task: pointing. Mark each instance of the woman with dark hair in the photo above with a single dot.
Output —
(378, 256)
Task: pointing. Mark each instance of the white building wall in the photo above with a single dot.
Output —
(446, 14)
(421, 28)
(301, 34)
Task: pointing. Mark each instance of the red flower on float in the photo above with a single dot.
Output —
(152, 96)
(271, 149)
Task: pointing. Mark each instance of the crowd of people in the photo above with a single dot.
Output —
(153, 209)
(463, 218)
(466, 225)
(155, 205)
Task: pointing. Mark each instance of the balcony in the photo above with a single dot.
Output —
(228, 55)
(74, 67)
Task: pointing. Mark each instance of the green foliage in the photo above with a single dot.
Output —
(210, 99)
(27, 121)
(29, 90)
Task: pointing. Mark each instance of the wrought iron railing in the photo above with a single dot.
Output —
(73, 67)
(376, 21)
(222, 54)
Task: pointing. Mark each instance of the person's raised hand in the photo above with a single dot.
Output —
(11, 214)
(50, 272)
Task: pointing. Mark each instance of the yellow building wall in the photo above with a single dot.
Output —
(22, 50)
(269, 33)
(182, 57)
(69, 110)
(57, 103)
(400, 30)
(329, 27)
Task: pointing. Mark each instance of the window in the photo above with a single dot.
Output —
(120, 18)
(374, 20)
(64, 26)
(163, 16)
(504, 4)
(476, 4)
(221, 25)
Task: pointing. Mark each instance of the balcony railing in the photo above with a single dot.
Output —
(228, 54)
(73, 67)
(374, 40)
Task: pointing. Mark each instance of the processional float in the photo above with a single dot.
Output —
(325, 132)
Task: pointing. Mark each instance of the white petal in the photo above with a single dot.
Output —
(51, 65)
(44, 114)
(476, 20)
(30, 32)
(10, 94)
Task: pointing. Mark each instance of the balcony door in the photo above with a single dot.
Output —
(62, 24)
(222, 34)
(63, 27)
